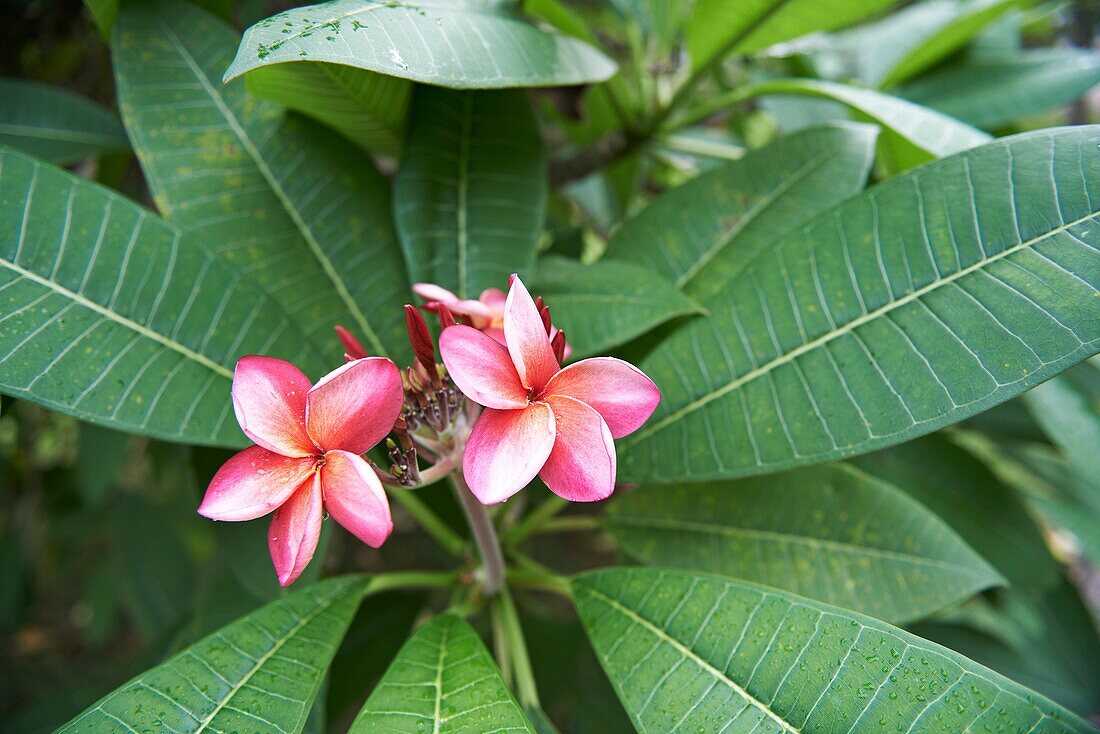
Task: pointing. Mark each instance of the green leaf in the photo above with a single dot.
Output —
(443, 678)
(470, 195)
(104, 13)
(993, 91)
(111, 315)
(56, 125)
(607, 303)
(719, 27)
(689, 652)
(302, 212)
(1051, 645)
(922, 50)
(830, 533)
(259, 674)
(981, 508)
(366, 108)
(928, 298)
(1068, 409)
(464, 44)
(916, 133)
(701, 234)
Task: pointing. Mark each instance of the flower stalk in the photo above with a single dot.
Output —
(485, 536)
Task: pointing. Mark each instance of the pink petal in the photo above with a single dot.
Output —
(528, 342)
(269, 398)
(355, 498)
(433, 292)
(481, 368)
(495, 299)
(354, 406)
(253, 483)
(497, 336)
(295, 529)
(477, 310)
(506, 450)
(618, 390)
(581, 468)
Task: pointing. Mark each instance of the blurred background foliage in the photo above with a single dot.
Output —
(105, 568)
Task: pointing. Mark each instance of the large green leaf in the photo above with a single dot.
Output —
(702, 234)
(1047, 642)
(366, 108)
(689, 652)
(445, 679)
(1068, 409)
(962, 491)
(302, 212)
(831, 533)
(992, 91)
(463, 44)
(718, 27)
(258, 675)
(932, 296)
(109, 314)
(606, 304)
(921, 51)
(55, 124)
(917, 134)
(470, 196)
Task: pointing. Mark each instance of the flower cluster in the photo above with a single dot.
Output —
(501, 409)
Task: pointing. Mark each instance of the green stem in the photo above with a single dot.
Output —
(575, 523)
(504, 610)
(532, 574)
(535, 519)
(411, 580)
(485, 536)
(433, 525)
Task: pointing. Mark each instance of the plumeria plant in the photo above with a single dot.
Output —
(550, 366)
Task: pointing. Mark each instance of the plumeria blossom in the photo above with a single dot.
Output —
(306, 460)
(540, 419)
(486, 314)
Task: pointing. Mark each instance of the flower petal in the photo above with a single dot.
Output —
(481, 368)
(269, 398)
(619, 391)
(253, 483)
(478, 312)
(497, 336)
(294, 532)
(433, 292)
(528, 342)
(581, 468)
(355, 498)
(354, 406)
(494, 298)
(506, 450)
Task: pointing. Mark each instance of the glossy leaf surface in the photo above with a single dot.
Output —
(56, 125)
(259, 674)
(928, 298)
(470, 195)
(366, 108)
(302, 212)
(606, 304)
(466, 44)
(830, 533)
(444, 681)
(701, 234)
(688, 651)
(924, 133)
(992, 91)
(109, 314)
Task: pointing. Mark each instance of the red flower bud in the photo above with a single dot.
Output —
(353, 350)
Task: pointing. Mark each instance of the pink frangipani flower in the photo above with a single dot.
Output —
(538, 418)
(307, 458)
(486, 314)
